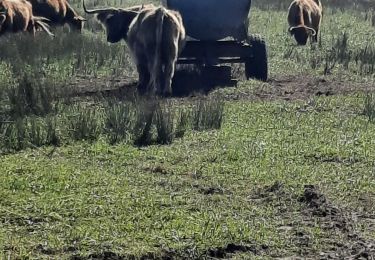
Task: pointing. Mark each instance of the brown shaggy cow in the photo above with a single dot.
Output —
(17, 16)
(59, 12)
(304, 19)
(155, 37)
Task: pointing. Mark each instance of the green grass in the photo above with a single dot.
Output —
(73, 183)
(87, 198)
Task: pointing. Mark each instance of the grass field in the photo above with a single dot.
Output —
(277, 169)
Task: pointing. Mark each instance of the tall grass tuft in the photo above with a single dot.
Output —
(15, 135)
(119, 119)
(142, 131)
(369, 107)
(365, 57)
(164, 120)
(37, 134)
(208, 114)
(84, 124)
(29, 97)
(183, 120)
(52, 135)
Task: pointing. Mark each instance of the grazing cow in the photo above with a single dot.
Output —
(59, 12)
(155, 37)
(17, 16)
(304, 19)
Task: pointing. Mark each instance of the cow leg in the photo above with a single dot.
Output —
(142, 69)
(169, 60)
(143, 78)
(167, 82)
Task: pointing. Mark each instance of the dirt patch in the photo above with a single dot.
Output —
(108, 255)
(318, 209)
(187, 81)
(158, 169)
(211, 190)
(284, 87)
(88, 85)
(187, 253)
(269, 193)
(332, 159)
(317, 205)
(339, 236)
(300, 87)
(230, 249)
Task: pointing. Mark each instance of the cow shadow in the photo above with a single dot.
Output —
(187, 81)
(190, 80)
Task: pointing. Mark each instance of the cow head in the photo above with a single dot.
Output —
(115, 20)
(301, 33)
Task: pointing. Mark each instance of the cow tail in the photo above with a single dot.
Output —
(39, 22)
(158, 68)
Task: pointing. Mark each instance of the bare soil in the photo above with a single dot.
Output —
(302, 87)
(286, 87)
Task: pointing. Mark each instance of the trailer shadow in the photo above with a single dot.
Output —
(191, 80)
(188, 81)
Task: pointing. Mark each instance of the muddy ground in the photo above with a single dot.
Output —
(286, 87)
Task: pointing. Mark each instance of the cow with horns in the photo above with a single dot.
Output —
(17, 16)
(155, 37)
(304, 18)
(58, 12)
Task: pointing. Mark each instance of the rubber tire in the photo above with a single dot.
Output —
(257, 66)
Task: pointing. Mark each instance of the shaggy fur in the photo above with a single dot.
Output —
(304, 18)
(155, 37)
(17, 16)
(58, 12)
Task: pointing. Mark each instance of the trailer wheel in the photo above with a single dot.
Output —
(257, 66)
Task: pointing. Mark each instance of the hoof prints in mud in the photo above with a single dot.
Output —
(330, 217)
(319, 206)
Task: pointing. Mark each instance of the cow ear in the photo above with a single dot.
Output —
(291, 29)
(104, 16)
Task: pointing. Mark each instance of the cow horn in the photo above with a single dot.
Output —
(300, 26)
(312, 30)
(95, 11)
(295, 27)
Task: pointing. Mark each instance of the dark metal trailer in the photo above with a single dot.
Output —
(218, 33)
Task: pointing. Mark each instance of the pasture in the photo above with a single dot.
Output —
(277, 169)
